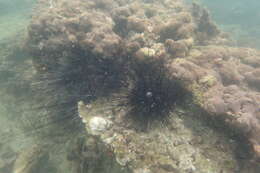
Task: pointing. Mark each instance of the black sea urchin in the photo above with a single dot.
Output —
(79, 77)
(152, 93)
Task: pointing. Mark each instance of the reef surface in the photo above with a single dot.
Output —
(158, 86)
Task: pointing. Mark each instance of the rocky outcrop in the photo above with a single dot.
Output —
(223, 80)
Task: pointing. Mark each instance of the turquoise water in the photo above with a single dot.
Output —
(14, 16)
(239, 18)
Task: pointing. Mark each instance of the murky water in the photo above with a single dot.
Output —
(238, 18)
(39, 122)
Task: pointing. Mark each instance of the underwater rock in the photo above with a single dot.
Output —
(179, 27)
(180, 48)
(229, 75)
(223, 80)
(98, 125)
(136, 24)
(89, 154)
(253, 78)
(205, 28)
(169, 147)
(186, 70)
(95, 125)
(57, 33)
(144, 53)
(233, 96)
(252, 60)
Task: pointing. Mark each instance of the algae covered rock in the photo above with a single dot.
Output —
(179, 95)
(176, 146)
(90, 155)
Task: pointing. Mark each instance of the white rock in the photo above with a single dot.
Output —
(98, 125)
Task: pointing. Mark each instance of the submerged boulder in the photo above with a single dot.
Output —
(85, 43)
